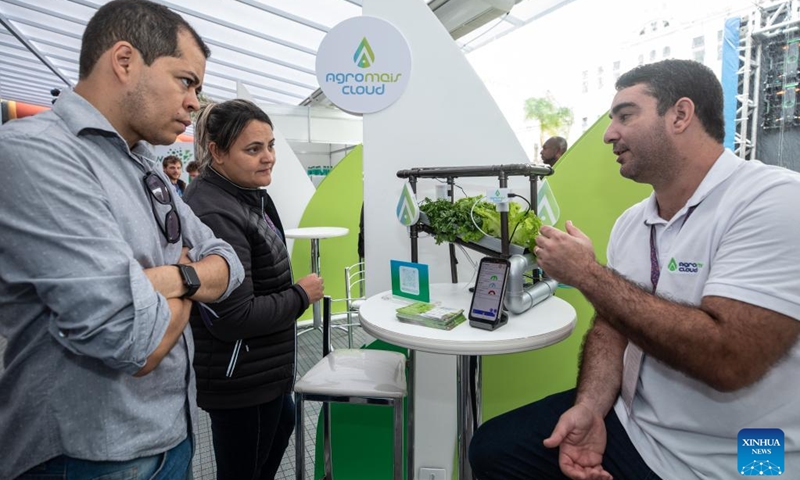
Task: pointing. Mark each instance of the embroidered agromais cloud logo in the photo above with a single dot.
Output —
(364, 56)
(677, 266)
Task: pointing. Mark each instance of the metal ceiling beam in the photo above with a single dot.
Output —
(233, 91)
(48, 12)
(24, 85)
(28, 75)
(288, 16)
(248, 31)
(28, 64)
(16, 46)
(29, 22)
(18, 89)
(33, 62)
(53, 56)
(272, 89)
(260, 73)
(266, 58)
(35, 51)
(547, 11)
(56, 45)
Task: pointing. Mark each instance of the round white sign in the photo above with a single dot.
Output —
(363, 64)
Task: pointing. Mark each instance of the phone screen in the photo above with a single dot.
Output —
(487, 300)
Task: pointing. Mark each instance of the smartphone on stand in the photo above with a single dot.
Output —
(486, 309)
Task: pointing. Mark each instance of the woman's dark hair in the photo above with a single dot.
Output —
(670, 80)
(151, 28)
(222, 124)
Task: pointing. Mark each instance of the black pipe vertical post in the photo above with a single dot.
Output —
(414, 230)
(504, 238)
(451, 183)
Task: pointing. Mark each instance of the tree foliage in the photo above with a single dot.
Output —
(553, 119)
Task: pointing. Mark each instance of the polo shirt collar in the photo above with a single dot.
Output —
(723, 168)
(79, 116)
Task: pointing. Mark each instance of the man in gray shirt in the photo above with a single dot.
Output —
(98, 369)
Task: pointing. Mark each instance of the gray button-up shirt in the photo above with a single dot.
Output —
(77, 229)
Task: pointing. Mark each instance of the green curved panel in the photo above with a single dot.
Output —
(591, 193)
(336, 203)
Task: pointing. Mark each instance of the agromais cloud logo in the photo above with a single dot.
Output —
(363, 65)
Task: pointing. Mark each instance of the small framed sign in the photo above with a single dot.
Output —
(410, 280)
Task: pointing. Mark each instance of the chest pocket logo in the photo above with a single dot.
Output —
(684, 267)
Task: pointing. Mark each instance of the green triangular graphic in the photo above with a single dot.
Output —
(407, 208)
(673, 265)
(548, 206)
(364, 57)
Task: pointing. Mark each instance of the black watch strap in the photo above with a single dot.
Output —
(190, 279)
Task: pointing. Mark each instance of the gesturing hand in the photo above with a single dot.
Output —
(580, 436)
(565, 256)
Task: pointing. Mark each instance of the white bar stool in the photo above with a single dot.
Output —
(359, 376)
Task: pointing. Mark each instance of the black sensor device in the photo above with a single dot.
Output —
(486, 309)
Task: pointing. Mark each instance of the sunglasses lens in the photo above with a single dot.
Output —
(173, 224)
(158, 189)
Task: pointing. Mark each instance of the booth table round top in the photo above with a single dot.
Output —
(316, 232)
(545, 324)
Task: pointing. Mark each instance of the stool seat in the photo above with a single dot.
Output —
(357, 373)
(357, 376)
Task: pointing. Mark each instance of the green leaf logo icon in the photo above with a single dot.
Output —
(407, 208)
(548, 206)
(673, 265)
(364, 57)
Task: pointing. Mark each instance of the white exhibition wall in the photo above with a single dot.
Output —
(446, 117)
(291, 189)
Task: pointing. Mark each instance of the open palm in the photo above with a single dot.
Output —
(581, 437)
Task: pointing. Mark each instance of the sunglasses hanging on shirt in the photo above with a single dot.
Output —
(160, 192)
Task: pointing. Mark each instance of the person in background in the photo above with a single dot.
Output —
(552, 150)
(101, 262)
(172, 167)
(245, 360)
(695, 333)
(192, 170)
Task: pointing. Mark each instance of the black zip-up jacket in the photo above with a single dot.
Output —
(262, 312)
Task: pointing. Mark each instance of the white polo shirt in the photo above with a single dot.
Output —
(742, 242)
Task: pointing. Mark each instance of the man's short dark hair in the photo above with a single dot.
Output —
(151, 28)
(169, 160)
(670, 80)
(561, 143)
(192, 166)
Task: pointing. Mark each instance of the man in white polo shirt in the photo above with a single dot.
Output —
(690, 369)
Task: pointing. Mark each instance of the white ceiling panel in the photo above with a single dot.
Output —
(268, 45)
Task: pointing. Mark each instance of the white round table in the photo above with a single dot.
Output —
(545, 324)
(315, 234)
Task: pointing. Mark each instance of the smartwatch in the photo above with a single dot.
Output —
(190, 279)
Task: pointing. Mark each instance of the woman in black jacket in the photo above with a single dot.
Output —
(245, 345)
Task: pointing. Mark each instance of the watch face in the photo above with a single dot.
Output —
(190, 279)
(190, 276)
